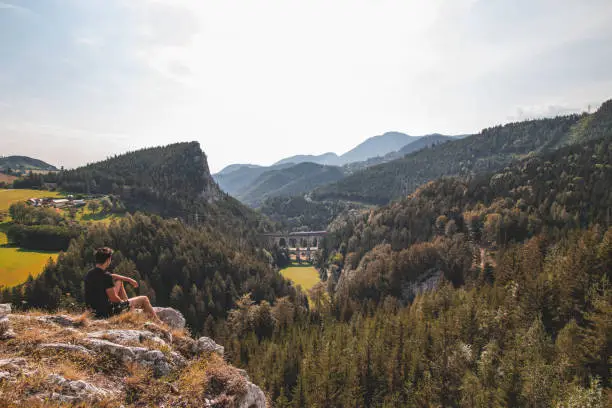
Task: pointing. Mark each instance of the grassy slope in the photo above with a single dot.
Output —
(17, 263)
(85, 215)
(303, 275)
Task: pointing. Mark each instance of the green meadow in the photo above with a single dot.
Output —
(304, 275)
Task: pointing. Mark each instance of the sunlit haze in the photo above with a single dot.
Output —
(256, 81)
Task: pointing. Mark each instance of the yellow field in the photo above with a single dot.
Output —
(16, 264)
(9, 196)
(305, 276)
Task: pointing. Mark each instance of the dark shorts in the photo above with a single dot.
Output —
(118, 308)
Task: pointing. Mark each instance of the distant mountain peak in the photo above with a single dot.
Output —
(325, 158)
(376, 146)
(235, 167)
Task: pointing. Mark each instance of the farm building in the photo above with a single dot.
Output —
(62, 202)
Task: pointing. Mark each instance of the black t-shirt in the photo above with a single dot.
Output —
(96, 283)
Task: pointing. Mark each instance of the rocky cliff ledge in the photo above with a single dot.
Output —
(125, 361)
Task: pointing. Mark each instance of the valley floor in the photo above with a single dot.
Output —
(304, 275)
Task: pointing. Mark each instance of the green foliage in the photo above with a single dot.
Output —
(42, 237)
(298, 213)
(30, 180)
(22, 213)
(512, 343)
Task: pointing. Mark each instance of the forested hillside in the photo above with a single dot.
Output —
(535, 333)
(171, 180)
(564, 190)
(425, 141)
(289, 181)
(489, 150)
(489, 292)
(178, 171)
(414, 146)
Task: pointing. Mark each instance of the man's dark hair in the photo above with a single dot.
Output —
(102, 254)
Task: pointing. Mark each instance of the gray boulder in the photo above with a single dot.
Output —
(253, 398)
(13, 364)
(6, 332)
(72, 348)
(75, 391)
(123, 353)
(159, 331)
(5, 309)
(208, 345)
(171, 317)
(60, 320)
(161, 363)
(126, 337)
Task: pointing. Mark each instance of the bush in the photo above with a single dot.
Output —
(42, 237)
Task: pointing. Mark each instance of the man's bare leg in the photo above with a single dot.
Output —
(120, 290)
(142, 302)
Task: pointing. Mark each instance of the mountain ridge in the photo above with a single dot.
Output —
(237, 179)
(490, 150)
(377, 146)
(325, 159)
(24, 163)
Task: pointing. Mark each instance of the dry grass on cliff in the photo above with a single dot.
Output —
(186, 387)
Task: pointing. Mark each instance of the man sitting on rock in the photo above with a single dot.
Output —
(104, 291)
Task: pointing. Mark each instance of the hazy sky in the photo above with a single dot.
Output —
(257, 80)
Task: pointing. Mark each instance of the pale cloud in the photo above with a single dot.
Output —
(13, 7)
(89, 41)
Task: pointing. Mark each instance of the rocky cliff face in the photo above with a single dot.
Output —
(69, 360)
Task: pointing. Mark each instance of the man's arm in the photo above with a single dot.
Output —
(112, 295)
(125, 279)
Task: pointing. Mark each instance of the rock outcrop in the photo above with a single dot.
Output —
(5, 325)
(124, 361)
(172, 317)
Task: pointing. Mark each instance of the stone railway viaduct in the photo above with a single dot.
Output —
(308, 239)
